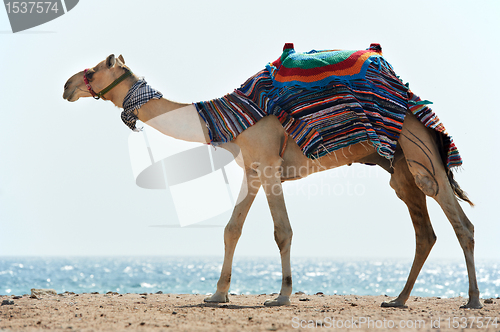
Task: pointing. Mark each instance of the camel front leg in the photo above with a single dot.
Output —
(270, 177)
(232, 232)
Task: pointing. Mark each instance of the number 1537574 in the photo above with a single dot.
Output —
(31, 7)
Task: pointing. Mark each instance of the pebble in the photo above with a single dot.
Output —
(305, 299)
(7, 302)
(39, 293)
(488, 301)
(159, 292)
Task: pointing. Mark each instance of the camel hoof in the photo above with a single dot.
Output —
(280, 300)
(217, 298)
(472, 304)
(393, 304)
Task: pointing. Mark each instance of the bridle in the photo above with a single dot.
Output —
(99, 95)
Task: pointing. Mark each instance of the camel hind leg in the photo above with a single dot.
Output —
(425, 164)
(404, 185)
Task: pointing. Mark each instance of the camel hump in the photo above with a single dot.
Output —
(318, 69)
(375, 47)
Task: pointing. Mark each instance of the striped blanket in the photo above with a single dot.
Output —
(360, 99)
(318, 68)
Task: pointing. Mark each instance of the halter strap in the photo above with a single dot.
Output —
(99, 95)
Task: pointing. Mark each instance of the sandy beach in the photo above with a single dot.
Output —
(186, 312)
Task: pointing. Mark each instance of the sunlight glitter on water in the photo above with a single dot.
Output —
(250, 276)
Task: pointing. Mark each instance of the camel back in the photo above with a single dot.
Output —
(326, 101)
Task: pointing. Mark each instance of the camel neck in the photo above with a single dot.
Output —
(173, 119)
(176, 120)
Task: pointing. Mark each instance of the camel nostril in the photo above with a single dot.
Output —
(66, 85)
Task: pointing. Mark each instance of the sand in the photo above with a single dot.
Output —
(181, 312)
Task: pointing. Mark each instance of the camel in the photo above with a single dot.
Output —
(417, 171)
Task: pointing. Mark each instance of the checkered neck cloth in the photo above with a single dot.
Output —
(139, 94)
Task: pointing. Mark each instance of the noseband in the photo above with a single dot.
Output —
(109, 87)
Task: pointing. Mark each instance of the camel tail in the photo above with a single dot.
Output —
(459, 192)
(461, 195)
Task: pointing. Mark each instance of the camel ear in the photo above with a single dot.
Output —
(111, 61)
(120, 57)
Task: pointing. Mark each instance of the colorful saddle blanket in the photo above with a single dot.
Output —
(318, 68)
(357, 97)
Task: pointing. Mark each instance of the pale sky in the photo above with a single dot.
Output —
(66, 184)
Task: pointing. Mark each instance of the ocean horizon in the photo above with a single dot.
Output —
(251, 275)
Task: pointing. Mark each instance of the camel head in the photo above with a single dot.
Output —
(98, 77)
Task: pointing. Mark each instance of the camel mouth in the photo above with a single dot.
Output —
(72, 89)
(70, 95)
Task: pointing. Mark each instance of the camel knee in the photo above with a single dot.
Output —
(469, 226)
(283, 238)
(467, 241)
(464, 229)
(427, 242)
(231, 233)
(432, 239)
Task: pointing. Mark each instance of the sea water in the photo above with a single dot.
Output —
(192, 275)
